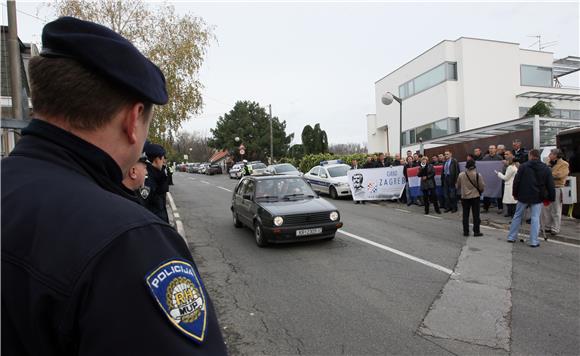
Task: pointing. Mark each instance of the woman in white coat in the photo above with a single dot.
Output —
(508, 178)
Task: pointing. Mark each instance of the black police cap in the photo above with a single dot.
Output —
(153, 150)
(107, 52)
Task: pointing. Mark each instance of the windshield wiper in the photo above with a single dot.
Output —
(287, 196)
(268, 197)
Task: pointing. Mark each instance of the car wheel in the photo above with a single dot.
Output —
(237, 222)
(259, 235)
(333, 193)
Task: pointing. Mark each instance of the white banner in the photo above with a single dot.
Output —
(376, 183)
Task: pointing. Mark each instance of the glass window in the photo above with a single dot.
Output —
(249, 189)
(523, 111)
(430, 79)
(451, 71)
(440, 128)
(285, 168)
(575, 114)
(314, 171)
(565, 114)
(338, 171)
(403, 91)
(423, 132)
(536, 76)
(454, 125)
(412, 136)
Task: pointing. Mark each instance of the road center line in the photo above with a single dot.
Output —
(226, 189)
(205, 182)
(397, 252)
(403, 210)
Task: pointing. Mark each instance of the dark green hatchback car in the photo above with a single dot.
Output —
(283, 209)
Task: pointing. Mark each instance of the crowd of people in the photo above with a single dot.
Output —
(527, 184)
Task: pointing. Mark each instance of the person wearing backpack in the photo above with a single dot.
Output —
(470, 183)
(533, 185)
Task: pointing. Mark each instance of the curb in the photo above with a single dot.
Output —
(176, 217)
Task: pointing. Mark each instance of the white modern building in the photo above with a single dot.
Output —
(466, 84)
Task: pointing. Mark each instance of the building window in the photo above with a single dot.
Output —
(440, 128)
(535, 76)
(443, 72)
(557, 113)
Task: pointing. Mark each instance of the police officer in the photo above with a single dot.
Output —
(157, 182)
(84, 269)
(134, 180)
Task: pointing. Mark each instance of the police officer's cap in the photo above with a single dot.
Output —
(153, 150)
(107, 52)
(143, 158)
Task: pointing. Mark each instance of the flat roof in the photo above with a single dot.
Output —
(549, 96)
(565, 66)
(549, 128)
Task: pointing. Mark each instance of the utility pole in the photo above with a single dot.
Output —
(14, 59)
(271, 137)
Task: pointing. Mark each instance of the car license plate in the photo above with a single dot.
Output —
(306, 232)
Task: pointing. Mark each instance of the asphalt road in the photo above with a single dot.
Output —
(383, 286)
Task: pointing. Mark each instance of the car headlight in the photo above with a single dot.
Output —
(278, 221)
(334, 216)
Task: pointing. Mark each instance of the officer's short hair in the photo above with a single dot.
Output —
(64, 88)
(556, 152)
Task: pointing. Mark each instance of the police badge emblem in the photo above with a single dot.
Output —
(177, 288)
(144, 192)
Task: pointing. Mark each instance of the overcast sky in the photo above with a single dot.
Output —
(317, 63)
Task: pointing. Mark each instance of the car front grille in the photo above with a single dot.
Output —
(304, 219)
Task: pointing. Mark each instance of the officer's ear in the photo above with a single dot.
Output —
(135, 124)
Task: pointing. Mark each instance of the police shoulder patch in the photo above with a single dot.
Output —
(144, 192)
(177, 288)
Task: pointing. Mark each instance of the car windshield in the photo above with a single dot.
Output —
(338, 171)
(283, 189)
(285, 168)
(258, 166)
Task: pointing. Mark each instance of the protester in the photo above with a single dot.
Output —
(533, 185)
(448, 182)
(397, 160)
(471, 185)
(501, 151)
(492, 154)
(552, 214)
(354, 164)
(416, 159)
(380, 163)
(441, 159)
(508, 179)
(85, 269)
(435, 160)
(409, 164)
(477, 156)
(427, 174)
(469, 157)
(520, 153)
(135, 179)
(409, 153)
(157, 182)
(369, 163)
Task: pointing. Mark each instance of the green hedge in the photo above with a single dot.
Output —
(307, 162)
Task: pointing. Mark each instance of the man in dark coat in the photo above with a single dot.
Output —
(492, 155)
(86, 270)
(427, 174)
(449, 180)
(520, 153)
(532, 187)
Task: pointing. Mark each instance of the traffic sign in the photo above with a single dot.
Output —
(242, 151)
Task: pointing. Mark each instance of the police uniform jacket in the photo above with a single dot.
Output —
(75, 254)
(156, 188)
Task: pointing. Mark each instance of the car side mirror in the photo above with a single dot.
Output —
(247, 196)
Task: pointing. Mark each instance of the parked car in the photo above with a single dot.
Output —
(283, 209)
(192, 167)
(213, 169)
(284, 169)
(236, 171)
(202, 168)
(258, 168)
(330, 178)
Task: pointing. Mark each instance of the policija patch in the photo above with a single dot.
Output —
(177, 288)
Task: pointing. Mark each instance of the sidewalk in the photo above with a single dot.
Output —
(569, 231)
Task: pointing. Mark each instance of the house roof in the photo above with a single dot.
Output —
(219, 155)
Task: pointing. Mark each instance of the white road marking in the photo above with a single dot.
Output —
(226, 189)
(487, 227)
(433, 217)
(178, 223)
(403, 210)
(205, 182)
(562, 243)
(397, 252)
(192, 178)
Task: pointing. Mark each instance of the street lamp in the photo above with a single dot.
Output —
(387, 99)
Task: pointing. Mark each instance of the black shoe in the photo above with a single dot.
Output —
(466, 234)
(446, 210)
(507, 216)
(511, 241)
(534, 246)
(438, 211)
(477, 234)
(500, 211)
(529, 221)
(553, 233)
(409, 204)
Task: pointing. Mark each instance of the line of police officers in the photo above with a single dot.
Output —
(78, 250)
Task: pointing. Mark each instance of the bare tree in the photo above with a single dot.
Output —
(194, 145)
(347, 148)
